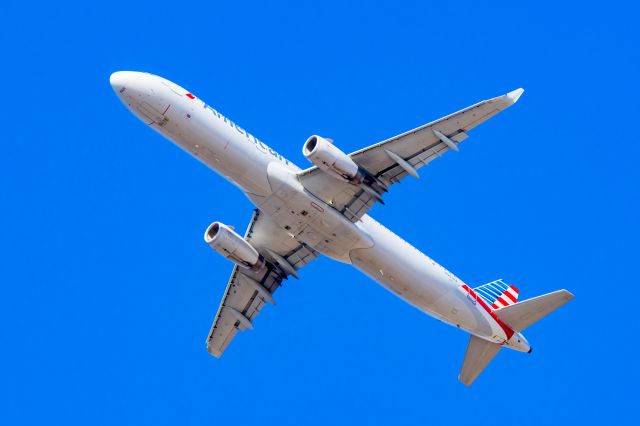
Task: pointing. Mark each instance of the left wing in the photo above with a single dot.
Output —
(391, 160)
(247, 290)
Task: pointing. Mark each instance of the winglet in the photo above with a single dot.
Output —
(514, 95)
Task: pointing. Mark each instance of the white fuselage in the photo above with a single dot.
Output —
(270, 181)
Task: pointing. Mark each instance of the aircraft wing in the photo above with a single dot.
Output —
(393, 159)
(248, 291)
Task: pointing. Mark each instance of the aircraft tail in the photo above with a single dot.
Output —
(522, 314)
(518, 316)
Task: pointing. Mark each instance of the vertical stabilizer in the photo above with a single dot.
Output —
(498, 294)
(479, 354)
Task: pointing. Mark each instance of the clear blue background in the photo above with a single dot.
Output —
(108, 291)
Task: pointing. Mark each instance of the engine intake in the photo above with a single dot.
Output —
(226, 242)
(330, 159)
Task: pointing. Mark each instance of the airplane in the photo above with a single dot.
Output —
(301, 214)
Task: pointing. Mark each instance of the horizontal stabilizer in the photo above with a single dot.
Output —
(479, 354)
(522, 314)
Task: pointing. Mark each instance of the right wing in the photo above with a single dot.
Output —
(391, 160)
(247, 290)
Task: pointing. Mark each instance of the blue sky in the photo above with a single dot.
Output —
(108, 290)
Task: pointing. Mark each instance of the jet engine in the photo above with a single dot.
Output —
(331, 160)
(226, 242)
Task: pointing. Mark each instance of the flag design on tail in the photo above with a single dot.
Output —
(498, 294)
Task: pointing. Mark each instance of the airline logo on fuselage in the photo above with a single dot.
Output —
(261, 146)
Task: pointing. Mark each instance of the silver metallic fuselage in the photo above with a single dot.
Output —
(270, 182)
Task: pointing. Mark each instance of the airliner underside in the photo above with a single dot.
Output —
(301, 214)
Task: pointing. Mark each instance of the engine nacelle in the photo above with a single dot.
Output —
(330, 159)
(226, 242)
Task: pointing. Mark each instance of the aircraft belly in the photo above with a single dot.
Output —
(417, 279)
(308, 219)
(400, 275)
(461, 312)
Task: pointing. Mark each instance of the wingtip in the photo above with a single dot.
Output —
(465, 381)
(514, 95)
(213, 352)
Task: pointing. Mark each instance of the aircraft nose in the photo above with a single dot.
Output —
(129, 80)
(118, 80)
(143, 94)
